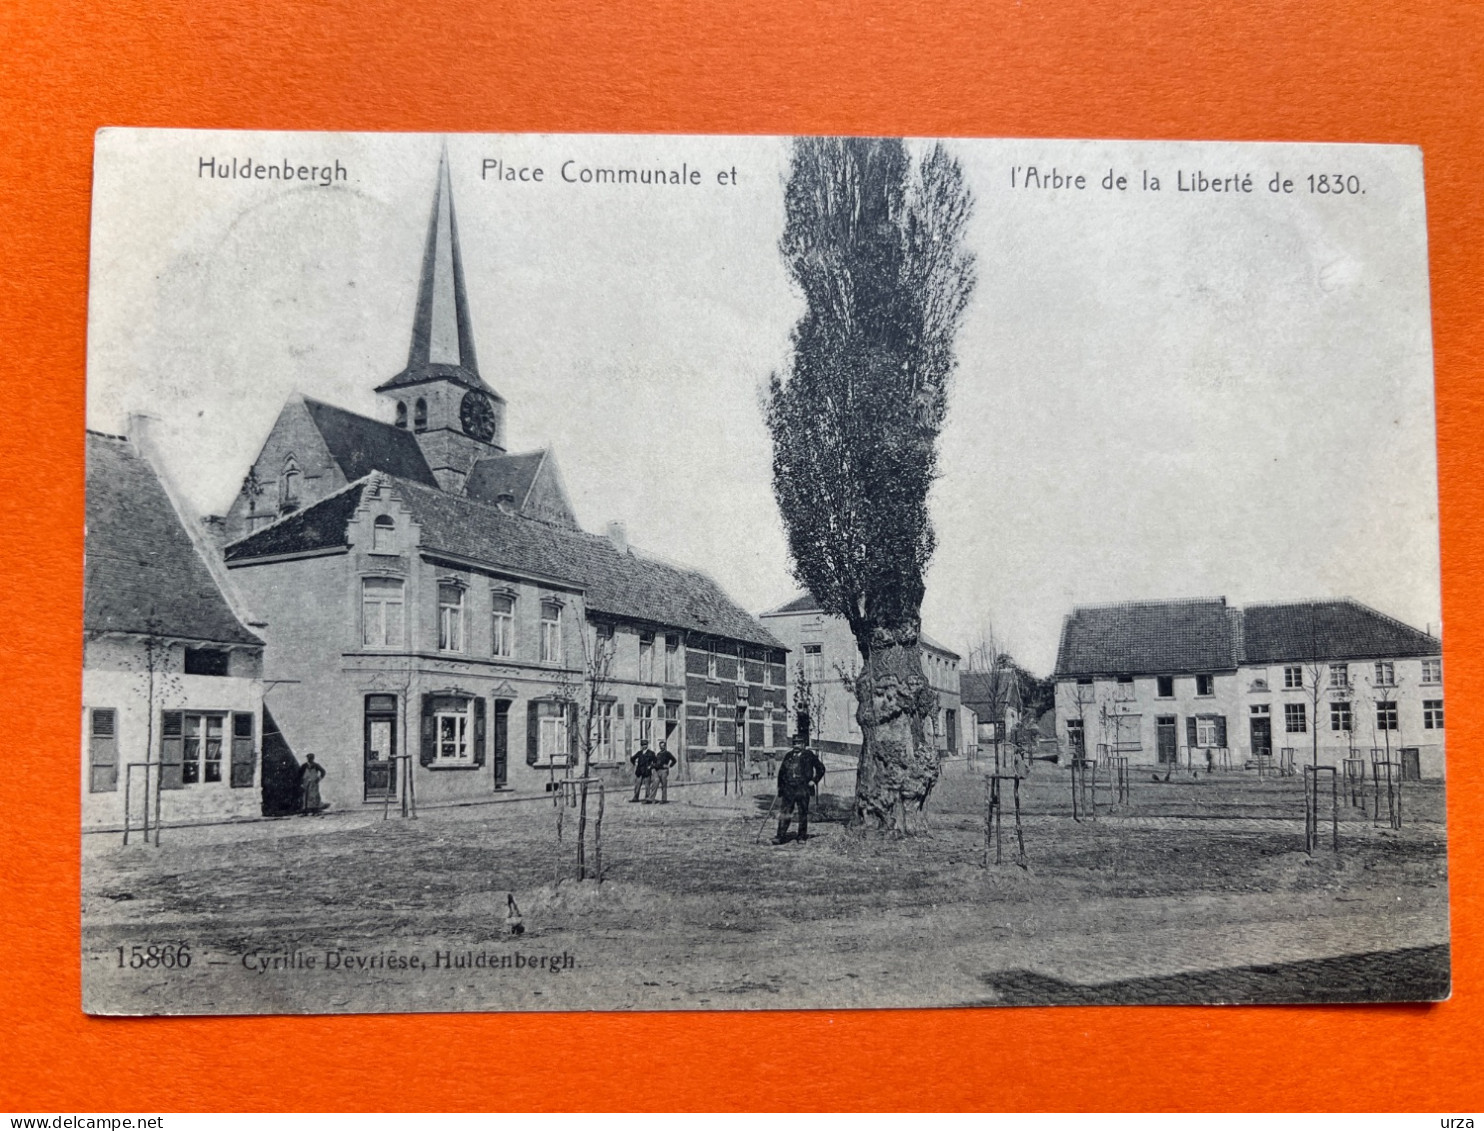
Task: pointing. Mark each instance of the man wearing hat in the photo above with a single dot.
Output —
(798, 779)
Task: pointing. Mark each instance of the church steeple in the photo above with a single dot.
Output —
(440, 395)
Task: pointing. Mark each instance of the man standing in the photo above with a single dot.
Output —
(643, 767)
(660, 782)
(798, 779)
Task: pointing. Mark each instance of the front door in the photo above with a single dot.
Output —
(1167, 747)
(1262, 736)
(502, 742)
(381, 747)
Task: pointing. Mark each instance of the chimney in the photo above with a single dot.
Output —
(506, 502)
(618, 535)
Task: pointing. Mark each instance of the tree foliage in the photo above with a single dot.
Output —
(873, 238)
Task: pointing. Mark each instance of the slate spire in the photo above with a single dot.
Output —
(442, 333)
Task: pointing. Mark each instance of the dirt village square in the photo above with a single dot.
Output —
(368, 739)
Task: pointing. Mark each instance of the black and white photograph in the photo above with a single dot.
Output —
(597, 572)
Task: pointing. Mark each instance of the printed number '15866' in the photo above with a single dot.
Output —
(156, 956)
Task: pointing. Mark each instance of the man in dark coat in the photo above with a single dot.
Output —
(798, 779)
(660, 782)
(643, 762)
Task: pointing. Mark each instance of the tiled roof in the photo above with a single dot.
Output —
(617, 585)
(494, 476)
(143, 572)
(1169, 637)
(974, 689)
(360, 445)
(318, 527)
(1146, 638)
(942, 649)
(1328, 630)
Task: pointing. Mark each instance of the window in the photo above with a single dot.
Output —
(1075, 737)
(1293, 676)
(1205, 685)
(1432, 714)
(644, 715)
(1206, 733)
(1164, 686)
(603, 732)
(1432, 672)
(1340, 720)
(1339, 675)
(1385, 673)
(103, 750)
(451, 728)
(551, 632)
(244, 752)
(401, 414)
(420, 416)
(813, 662)
(450, 617)
(502, 624)
(381, 612)
(1295, 718)
(1261, 709)
(382, 534)
(646, 657)
(711, 713)
(711, 663)
(288, 486)
(1386, 716)
(205, 661)
(552, 732)
(672, 657)
(1125, 688)
(200, 746)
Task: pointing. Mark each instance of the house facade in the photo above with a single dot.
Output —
(1165, 682)
(824, 648)
(433, 608)
(172, 688)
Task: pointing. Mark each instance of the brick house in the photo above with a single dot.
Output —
(825, 646)
(432, 602)
(172, 689)
(1175, 681)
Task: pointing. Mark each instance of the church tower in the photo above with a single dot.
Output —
(456, 418)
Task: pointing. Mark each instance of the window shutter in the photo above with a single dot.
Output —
(104, 751)
(172, 749)
(242, 750)
(1220, 730)
(1190, 731)
(572, 731)
(533, 732)
(429, 749)
(479, 731)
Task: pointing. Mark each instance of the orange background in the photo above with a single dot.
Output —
(1358, 71)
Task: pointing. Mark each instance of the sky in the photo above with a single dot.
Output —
(1159, 394)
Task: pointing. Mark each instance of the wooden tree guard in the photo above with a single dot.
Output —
(1312, 775)
(993, 819)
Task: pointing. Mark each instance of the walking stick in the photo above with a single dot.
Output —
(771, 806)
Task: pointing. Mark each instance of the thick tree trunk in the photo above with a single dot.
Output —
(898, 764)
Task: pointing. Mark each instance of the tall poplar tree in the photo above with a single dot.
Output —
(874, 239)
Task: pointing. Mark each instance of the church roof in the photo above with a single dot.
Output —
(360, 445)
(620, 585)
(144, 574)
(442, 332)
(494, 476)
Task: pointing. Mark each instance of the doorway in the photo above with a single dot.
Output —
(501, 757)
(1166, 734)
(1261, 730)
(381, 747)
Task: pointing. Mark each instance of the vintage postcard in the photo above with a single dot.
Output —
(649, 573)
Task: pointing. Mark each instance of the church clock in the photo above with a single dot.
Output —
(477, 416)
